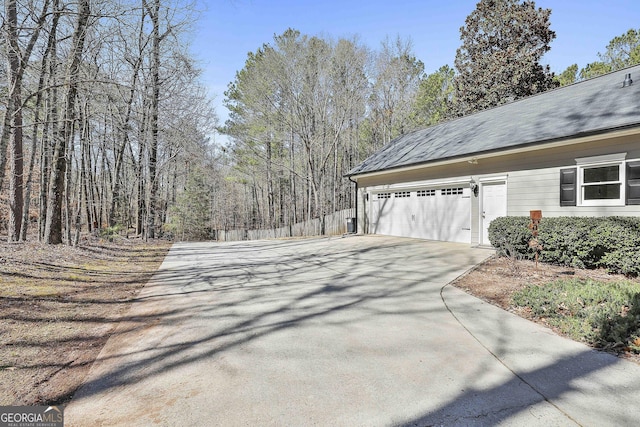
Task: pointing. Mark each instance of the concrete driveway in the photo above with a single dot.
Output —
(340, 332)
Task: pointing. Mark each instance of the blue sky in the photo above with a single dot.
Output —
(229, 29)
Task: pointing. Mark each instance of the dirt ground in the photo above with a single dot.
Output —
(496, 280)
(58, 306)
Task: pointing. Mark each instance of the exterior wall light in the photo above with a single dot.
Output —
(474, 187)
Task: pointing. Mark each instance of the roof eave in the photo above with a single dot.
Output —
(617, 132)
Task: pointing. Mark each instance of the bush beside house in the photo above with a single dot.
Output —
(584, 242)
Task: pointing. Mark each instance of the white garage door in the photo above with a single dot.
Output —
(435, 214)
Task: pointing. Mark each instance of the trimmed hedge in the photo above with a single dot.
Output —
(511, 236)
(584, 242)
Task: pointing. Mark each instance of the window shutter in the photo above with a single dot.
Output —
(633, 183)
(568, 187)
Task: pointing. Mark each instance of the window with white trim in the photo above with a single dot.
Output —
(403, 194)
(426, 193)
(601, 180)
(384, 195)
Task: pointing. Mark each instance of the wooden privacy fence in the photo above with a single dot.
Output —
(334, 224)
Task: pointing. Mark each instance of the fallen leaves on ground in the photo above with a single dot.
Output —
(58, 306)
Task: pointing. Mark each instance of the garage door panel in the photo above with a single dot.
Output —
(455, 215)
(391, 217)
(434, 214)
(381, 212)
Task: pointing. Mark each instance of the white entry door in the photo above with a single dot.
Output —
(494, 205)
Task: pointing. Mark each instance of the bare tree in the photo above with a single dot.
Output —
(56, 198)
(296, 108)
(397, 78)
(12, 131)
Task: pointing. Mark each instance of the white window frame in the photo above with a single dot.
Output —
(602, 161)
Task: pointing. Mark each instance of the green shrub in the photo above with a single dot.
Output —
(565, 240)
(583, 242)
(603, 314)
(620, 240)
(511, 236)
(111, 232)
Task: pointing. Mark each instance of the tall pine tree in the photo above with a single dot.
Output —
(622, 51)
(499, 60)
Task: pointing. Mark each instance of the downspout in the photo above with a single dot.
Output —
(356, 199)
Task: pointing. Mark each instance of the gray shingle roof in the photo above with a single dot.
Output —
(592, 106)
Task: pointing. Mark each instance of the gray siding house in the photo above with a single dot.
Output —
(572, 151)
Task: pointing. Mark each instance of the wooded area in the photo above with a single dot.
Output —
(103, 113)
(107, 126)
(305, 110)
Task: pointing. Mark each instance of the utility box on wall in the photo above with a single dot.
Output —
(351, 225)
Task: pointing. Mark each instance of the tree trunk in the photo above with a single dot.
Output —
(34, 147)
(12, 125)
(14, 114)
(55, 202)
(117, 198)
(154, 12)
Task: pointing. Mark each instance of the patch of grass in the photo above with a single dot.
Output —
(43, 291)
(98, 266)
(603, 314)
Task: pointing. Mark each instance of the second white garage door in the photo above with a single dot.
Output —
(435, 214)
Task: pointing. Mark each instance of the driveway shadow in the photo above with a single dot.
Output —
(350, 323)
